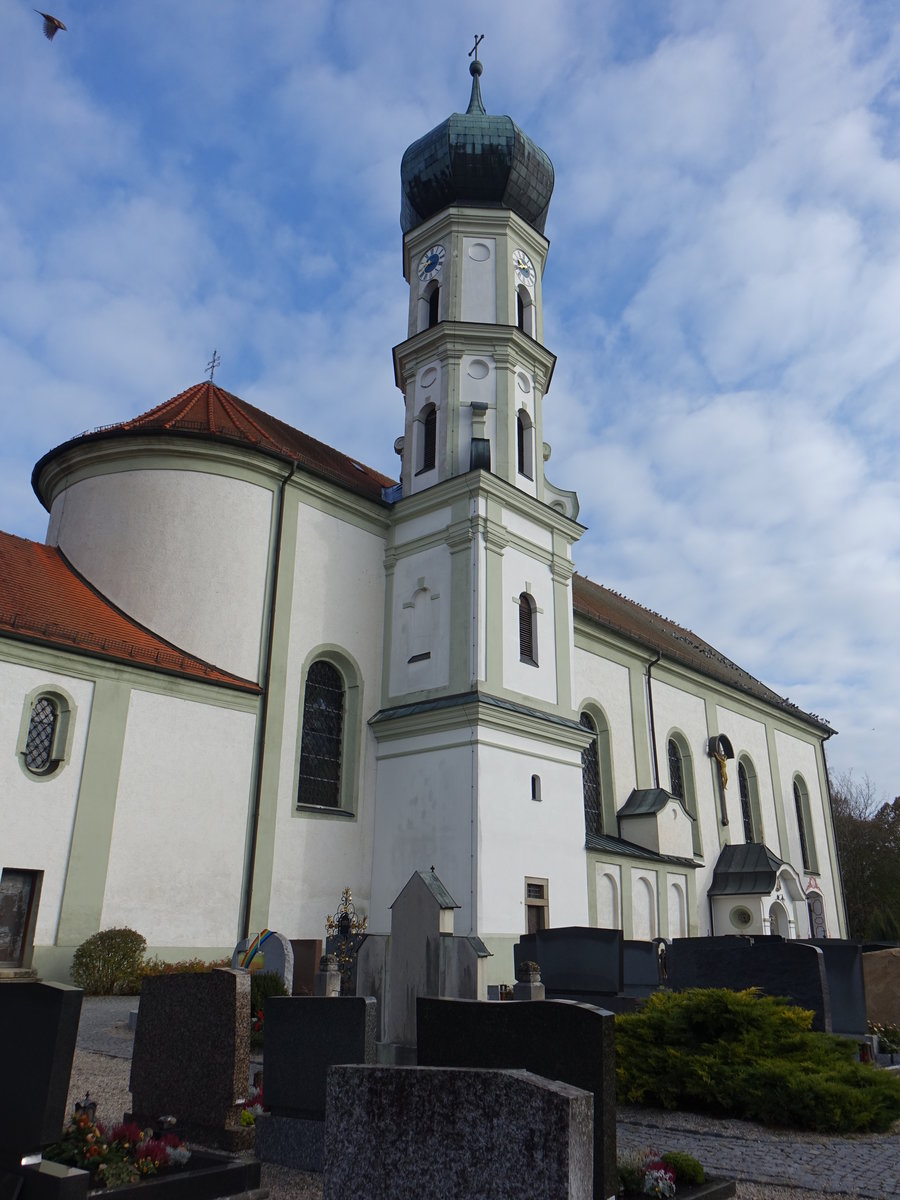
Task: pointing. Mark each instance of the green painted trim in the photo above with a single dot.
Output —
(561, 571)
(596, 712)
(500, 967)
(85, 885)
(340, 503)
(465, 565)
(834, 866)
(495, 539)
(61, 748)
(640, 724)
(777, 792)
(56, 660)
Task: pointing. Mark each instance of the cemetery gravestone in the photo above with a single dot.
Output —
(881, 970)
(846, 990)
(305, 1035)
(191, 1055)
(413, 1132)
(559, 1039)
(576, 962)
(277, 952)
(19, 896)
(307, 952)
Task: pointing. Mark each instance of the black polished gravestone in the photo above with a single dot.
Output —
(641, 968)
(778, 968)
(559, 1039)
(846, 988)
(40, 1027)
(576, 962)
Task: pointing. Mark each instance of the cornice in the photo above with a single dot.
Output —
(453, 339)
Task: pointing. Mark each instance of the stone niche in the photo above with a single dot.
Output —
(658, 821)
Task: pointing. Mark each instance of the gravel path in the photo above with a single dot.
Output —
(768, 1164)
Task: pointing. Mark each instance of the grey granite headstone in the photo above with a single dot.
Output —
(559, 1039)
(40, 1028)
(191, 1057)
(305, 1035)
(277, 953)
(405, 1133)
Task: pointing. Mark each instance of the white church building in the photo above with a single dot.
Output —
(246, 671)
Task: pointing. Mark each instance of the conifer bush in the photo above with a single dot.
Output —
(108, 962)
(744, 1054)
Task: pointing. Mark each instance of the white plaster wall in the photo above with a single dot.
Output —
(435, 521)
(338, 601)
(520, 837)
(433, 567)
(479, 280)
(677, 709)
(476, 385)
(177, 850)
(644, 904)
(182, 552)
(798, 756)
(677, 888)
(748, 736)
(37, 816)
(531, 531)
(608, 882)
(425, 816)
(606, 683)
(539, 681)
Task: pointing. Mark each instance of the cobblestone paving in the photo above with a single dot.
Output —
(867, 1165)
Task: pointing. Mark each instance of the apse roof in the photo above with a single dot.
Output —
(749, 869)
(475, 159)
(208, 411)
(44, 600)
(623, 616)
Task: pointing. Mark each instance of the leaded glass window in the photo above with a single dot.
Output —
(801, 826)
(321, 745)
(590, 780)
(746, 803)
(41, 731)
(676, 775)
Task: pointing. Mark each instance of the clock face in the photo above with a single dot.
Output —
(430, 263)
(523, 268)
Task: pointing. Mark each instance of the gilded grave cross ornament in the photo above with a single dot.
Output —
(346, 933)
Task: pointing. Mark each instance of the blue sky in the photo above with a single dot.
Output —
(723, 288)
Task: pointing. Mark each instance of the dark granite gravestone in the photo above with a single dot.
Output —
(40, 1027)
(558, 1039)
(20, 893)
(191, 1055)
(305, 1035)
(575, 962)
(307, 952)
(846, 987)
(779, 968)
(414, 1132)
(641, 968)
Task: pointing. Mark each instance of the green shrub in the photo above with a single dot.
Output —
(743, 1054)
(108, 962)
(688, 1171)
(263, 984)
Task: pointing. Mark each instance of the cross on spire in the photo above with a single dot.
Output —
(212, 364)
(479, 38)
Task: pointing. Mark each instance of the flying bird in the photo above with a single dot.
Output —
(52, 25)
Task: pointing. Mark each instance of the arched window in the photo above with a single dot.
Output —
(590, 780)
(527, 629)
(524, 444)
(746, 803)
(681, 781)
(525, 311)
(428, 419)
(804, 825)
(321, 746)
(520, 311)
(39, 743)
(434, 303)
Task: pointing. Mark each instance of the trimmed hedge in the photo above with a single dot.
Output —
(743, 1054)
(107, 962)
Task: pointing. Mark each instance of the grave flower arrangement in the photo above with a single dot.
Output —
(646, 1172)
(119, 1155)
(253, 1106)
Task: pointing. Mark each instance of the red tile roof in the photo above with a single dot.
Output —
(43, 599)
(208, 411)
(656, 633)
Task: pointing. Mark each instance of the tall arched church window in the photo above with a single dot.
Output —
(524, 444)
(746, 809)
(434, 305)
(42, 729)
(676, 775)
(321, 746)
(429, 439)
(681, 782)
(527, 629)
(590, 780)
(525, 311)
(804, 825)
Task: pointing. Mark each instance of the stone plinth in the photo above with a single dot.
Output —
(404, 1133)
(40, 1026)
(191, 1054)
(555, 1038)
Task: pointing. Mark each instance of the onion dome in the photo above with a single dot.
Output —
(475, 160)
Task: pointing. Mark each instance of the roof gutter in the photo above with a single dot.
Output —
(247, 896)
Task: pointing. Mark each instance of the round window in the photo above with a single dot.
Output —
(741, 917)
